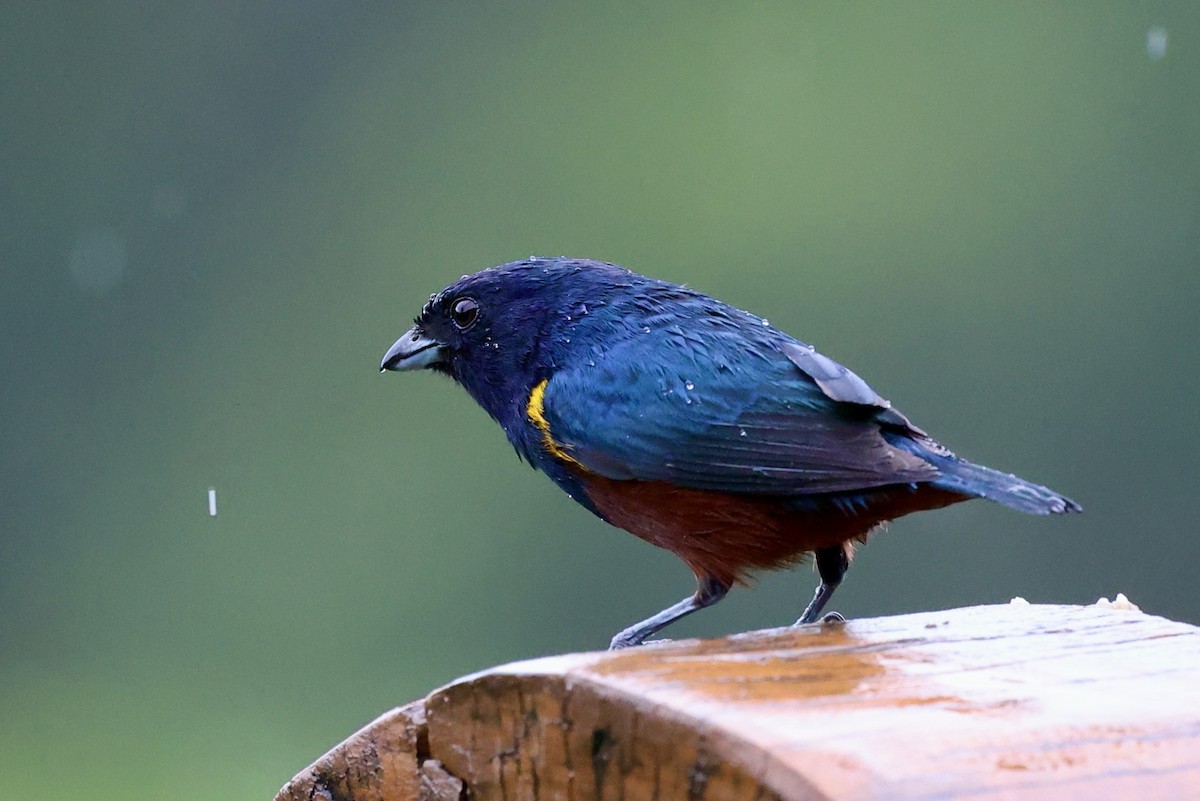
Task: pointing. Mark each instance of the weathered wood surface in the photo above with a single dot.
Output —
(1021, 702)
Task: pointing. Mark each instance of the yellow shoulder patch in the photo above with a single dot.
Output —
(535, 410)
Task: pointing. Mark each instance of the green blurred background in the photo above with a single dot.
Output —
(216, 217)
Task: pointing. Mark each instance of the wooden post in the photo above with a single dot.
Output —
(1014, 702)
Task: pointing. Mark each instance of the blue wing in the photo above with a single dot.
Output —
(718, 412)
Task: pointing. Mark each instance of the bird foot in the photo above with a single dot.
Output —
(619, 644)
(829, 618)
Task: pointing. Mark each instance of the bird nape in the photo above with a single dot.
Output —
(690, 423)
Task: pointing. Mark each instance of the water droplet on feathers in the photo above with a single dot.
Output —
(689, 385)
(646, 329)
(765, 321)
(741, 432)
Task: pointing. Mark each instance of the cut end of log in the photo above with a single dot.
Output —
(383, 761)
(1004, 701)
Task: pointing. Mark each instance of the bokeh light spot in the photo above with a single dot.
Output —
(98, 259)
(169, 202)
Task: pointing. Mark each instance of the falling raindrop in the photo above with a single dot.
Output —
(1156, 43)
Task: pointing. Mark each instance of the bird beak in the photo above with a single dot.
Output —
(413, 351)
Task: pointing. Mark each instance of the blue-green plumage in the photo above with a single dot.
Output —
(693, 424)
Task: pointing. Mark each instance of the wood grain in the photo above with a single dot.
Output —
(997, 702)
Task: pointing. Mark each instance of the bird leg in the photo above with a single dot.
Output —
(832, 564)
(708, 592)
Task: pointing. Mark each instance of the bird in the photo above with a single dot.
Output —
(694, 425)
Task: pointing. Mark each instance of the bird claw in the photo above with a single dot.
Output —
(623, 641)
(619, 644)
(828, 619)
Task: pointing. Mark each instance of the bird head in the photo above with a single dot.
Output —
(499, 331)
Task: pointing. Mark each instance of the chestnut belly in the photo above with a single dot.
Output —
(725, 536)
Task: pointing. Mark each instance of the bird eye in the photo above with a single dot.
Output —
(464, 313)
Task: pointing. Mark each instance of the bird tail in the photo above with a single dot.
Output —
(959, 475)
